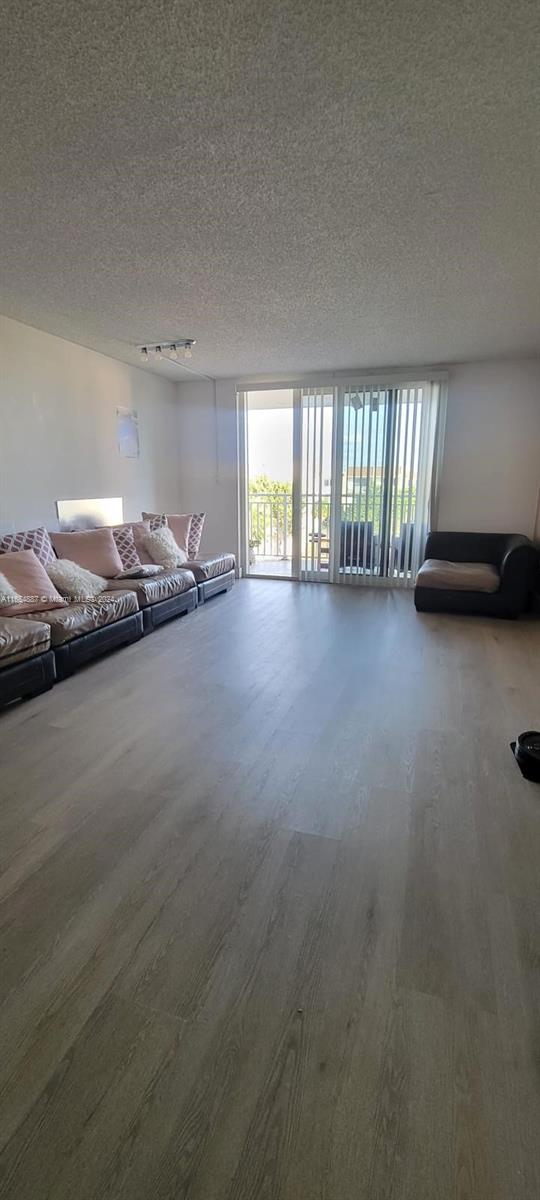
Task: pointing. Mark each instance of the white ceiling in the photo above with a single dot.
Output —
(297, 185)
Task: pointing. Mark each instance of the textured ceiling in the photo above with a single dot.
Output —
(297, 185)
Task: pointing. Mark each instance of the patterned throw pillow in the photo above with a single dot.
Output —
(125, 544)
(159, 521)
(37, 540)
(195, 534)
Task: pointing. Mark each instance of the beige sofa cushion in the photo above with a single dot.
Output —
(157, 587)
(71, 622)
(21, 638)
(211, 566)
(458, 576)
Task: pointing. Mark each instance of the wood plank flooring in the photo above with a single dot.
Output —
(270, 911)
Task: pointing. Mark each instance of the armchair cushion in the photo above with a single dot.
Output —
(458, 576)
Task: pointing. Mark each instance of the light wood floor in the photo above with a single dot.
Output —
(270, 919)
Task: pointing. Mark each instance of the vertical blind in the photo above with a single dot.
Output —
(317, 422)
(369, 473)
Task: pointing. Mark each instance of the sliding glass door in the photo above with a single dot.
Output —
(356, 501)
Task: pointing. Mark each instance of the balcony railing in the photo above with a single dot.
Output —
(360, 548)
(270, 524)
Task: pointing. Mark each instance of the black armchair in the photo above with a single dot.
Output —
(512, 554)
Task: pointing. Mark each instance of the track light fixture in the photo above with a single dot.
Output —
(174, 351)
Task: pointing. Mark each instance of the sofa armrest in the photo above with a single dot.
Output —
(518, 568)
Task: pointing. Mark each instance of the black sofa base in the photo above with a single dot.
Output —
(475, 604)
(91, 645)
(212, 587)
(176, 606)
(28, 678)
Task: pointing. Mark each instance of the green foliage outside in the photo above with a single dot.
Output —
(269, 514)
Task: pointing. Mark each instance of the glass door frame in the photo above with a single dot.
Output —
(242, 410)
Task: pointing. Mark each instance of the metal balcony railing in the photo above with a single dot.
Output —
(361, 546)
(270, 524)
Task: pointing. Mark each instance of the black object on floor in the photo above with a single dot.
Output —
(526, 752)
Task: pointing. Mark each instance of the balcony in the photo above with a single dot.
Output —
(270, 533)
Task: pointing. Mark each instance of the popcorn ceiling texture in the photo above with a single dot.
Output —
(297, 185)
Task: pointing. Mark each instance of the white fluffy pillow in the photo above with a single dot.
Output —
(163, 549)
(8, 594)
(75, 582)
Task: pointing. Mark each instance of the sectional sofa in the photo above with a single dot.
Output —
(38, 648)
(27, 663)
(482, 574)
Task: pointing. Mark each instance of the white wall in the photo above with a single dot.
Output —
(58, 430)
(208, 459)
(491, 468)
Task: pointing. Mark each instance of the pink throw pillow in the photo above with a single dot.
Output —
(37, 540)
(28, 576)
(94, 549)
(179, 525)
